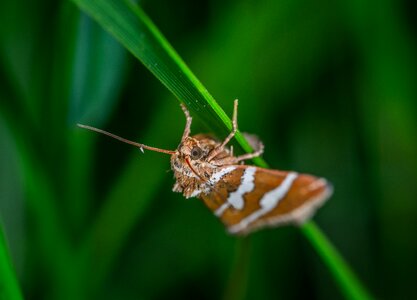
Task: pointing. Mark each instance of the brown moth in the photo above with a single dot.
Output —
(244, 198)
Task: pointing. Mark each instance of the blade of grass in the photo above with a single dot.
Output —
(40, 198)
(21, 55)
(237, 285)
(55, 246)
(9, 286)
(349, 284)
(129, 24)
(85, 79)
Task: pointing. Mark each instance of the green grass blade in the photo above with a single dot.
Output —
(129, 24)
(348, 282)
(86, 79)
(52, 236)
(237, 286)
(9, 286)
(40, 200)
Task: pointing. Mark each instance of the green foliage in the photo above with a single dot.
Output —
(9, 287)
(138, 34)
(348, 282)
(330, 91)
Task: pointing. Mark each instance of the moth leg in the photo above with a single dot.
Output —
(188, 119)
(230, 160)
(220, 148)
(246, 156)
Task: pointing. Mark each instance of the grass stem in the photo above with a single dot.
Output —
(130, 25)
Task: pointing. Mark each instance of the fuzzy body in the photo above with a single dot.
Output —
(193, 175)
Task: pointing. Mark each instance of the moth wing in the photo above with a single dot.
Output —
(249, 198)
(224, 182)
(254, 141)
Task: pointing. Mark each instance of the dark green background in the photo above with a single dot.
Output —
(329, 87)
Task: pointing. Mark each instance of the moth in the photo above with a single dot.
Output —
(244, 197)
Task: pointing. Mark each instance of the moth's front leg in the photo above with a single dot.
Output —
(220, 148)
(246, 156)
(231, 160)
(188, 121)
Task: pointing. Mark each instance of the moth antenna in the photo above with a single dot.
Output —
(140, 146)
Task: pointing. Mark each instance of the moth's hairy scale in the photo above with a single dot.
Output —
(245, 198)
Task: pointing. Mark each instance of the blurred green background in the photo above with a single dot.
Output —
(329, 87)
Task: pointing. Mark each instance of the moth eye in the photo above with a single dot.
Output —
(196, 153)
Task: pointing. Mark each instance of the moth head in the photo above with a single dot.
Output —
(192, 148)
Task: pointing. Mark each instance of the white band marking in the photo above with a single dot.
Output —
(215, 177)
(247, 185)
(268, 202)
(221, 209)
(218, 175)
(235, 199)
